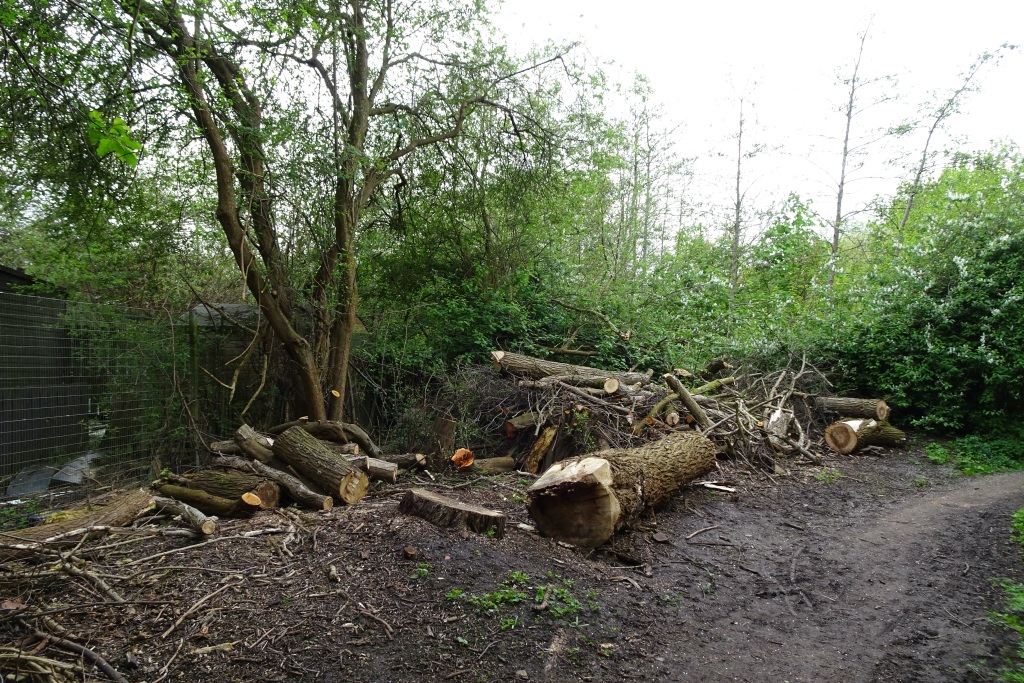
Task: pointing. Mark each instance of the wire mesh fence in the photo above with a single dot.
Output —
(87, 396)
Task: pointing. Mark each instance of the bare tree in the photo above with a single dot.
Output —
(945, 107)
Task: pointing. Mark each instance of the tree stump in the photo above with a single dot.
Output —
(447, 512)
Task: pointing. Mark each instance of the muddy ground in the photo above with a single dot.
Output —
(878, 569)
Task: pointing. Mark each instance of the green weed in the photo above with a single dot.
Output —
(976, 454)
(828, 475)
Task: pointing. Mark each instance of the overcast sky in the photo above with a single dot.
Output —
(784, 57)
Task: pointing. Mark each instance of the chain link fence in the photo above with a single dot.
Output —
(88, 399)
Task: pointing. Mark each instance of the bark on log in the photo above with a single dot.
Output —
(873, 408)
(447, 512)
(313, 460)
(848, 436)
(119, 508)
(232, 483)
(407, 461)
(520, 422)
(584, 501)
(190, 515)
(341, 432)
(249, 441)
(443, 434)
(298, 491)
(244, 506)
(494, 465)
(539, 368)
(378, 470)
(342, 448)
(687, 399)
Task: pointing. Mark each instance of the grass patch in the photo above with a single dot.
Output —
(1012, 615)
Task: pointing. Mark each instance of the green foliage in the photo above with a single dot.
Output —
(937, 454)
(113, 137)
(14, 516)
(828, 475)
(977, 454)
(941, 337)
(1017, 525)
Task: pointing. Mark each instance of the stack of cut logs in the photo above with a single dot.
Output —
(865, 424)
(312, 464)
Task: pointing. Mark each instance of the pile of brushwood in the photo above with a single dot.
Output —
(755, 418)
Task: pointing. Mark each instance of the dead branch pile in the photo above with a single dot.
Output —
(754, 418)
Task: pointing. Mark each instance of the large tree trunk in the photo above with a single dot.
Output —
(584, 501)
(539, 368)
(849, 436)
(874, 408)
(316, 462)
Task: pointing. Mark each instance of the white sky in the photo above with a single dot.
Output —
(785, 57)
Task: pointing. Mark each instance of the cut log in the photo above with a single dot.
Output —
(244, 506)
(584, 501)
(687, 399)
(540, 448)
(672, 419)
(232, 483)
(407, 461)
(873, 408)
(199, 522)
(539, 368)
(298, 491)
(342, 448)
(611, 386)
(378, 470)
(494, 465)
(224, 448)
(517, 424)
(447, 512)
(313, 460)
(341, 432)
(848, 436)
(250, 444)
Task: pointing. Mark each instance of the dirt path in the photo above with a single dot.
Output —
(893, 588)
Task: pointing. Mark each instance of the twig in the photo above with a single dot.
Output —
(387, 627)
(700, 531)
(196, 606)
(166, 667)
(544, 603)
(248, 534)
(84, 652)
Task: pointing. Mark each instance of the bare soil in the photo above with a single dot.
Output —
(882, 573)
